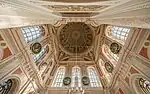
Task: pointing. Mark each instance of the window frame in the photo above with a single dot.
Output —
(76, 72)
(93, 76)
(59, 76)
(118, 33)
(31, 33)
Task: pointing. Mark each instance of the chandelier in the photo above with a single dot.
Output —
(76, 90)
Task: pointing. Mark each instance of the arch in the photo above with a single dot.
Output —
(59, 76)
(32, 33)
(93, 76)
(113, 58)
(76, 77)
(15, 85)
(136, 85)
(45, 30)
(42, 67)
(117, 33)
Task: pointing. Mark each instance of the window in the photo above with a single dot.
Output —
(38, 56)
(93, 76)
(31, 33)
(58, 80)
(119, 34)
(76, 77)
(144, 85)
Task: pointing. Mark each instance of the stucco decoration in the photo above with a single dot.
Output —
(115, 48)
(4, 49)
(74, 8)
(145, 50)
(76, 38)
(63, 56)
(36, 48)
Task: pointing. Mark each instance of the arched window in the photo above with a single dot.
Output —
(118, 33)
(42, 67)
(31, 33)
(38, 56)
(5, 87)
(144, 85)
(113, 58)
(93, 76)
(76, 77)
(58, 79)
(9, 86)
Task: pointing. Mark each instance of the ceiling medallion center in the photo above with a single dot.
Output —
(76, 37)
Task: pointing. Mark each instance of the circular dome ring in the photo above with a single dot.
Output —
(76, 38)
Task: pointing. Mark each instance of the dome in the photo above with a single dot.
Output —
(76, 37)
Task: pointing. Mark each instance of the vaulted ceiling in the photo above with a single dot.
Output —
(77, 41)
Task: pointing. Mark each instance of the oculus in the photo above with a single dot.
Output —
(67, 81)
(109, 67)
(85, 80)
(76, 37)
(36, 48)
(115, 48)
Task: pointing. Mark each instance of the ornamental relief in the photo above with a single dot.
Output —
(75, 42)
(66, 20)
(62, 56)
(75, 8)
